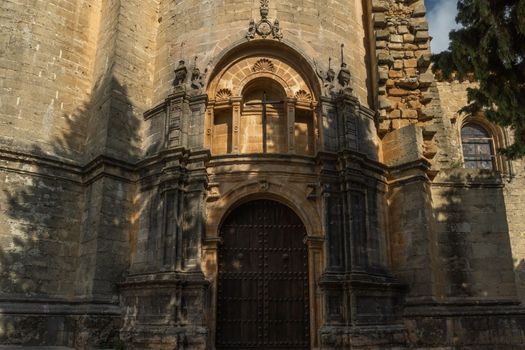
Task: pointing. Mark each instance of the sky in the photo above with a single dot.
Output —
(441, 16)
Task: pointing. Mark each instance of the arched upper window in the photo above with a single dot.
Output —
(261, 105)
(478, 147)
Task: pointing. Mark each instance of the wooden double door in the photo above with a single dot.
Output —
(263, 279)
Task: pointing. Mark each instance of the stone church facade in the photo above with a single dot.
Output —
(242, 174)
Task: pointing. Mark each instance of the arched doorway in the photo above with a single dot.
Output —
(262, 299)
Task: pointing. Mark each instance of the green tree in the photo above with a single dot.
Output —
(490, 48)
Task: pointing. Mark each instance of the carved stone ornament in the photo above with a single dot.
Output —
(264, 185)
(344, 77)
(311, 191)
(264, 27)
(303, 96)
(223, 94)
(262, 65)
(180, 74)
(327, 77)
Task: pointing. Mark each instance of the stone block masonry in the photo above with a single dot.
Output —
(126, 140)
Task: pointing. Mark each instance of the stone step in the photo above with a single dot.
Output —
(21, 347)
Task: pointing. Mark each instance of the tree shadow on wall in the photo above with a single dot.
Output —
(472, 254)
(473, 234)
(66, 228)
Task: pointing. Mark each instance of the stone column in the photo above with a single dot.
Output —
(193, 221)
(164, 296)
(315, 263)
(208, 125)
(317, 128)
(236, 121)
(290, 120)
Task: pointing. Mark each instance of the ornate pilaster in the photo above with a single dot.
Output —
(165, 295)
(236, 121)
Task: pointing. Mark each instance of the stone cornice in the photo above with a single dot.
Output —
(40, 165)
(99, 167)
(463, 307)
(104, 166)
(53, 306)
(108, 167)
(166, 279)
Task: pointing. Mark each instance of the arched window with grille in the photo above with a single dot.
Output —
(478, 147)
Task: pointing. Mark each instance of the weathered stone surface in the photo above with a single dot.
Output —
(424, 60)
(384, 103)
(426, 79)
(116, 174)
(379, 5)
(421, 36)
(419, 9)
(384, 58)
(382, 34)
(408, 38)
(396, 38)
(383, 75)
(410, 83)
(379, 20)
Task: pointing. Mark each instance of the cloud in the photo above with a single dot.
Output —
(441, 20)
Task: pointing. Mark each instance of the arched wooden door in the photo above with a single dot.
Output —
(263, 279)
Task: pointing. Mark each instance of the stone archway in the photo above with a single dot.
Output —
(231, 123)
(262, 294)
(264, 153)
(291, 196)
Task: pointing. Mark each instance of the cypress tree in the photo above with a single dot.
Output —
(490, 48)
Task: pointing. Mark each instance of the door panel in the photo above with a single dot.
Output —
(263, 280)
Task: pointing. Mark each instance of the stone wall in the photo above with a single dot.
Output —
(472, 235)
(207, 28)
(40, 218)
(45, 86)
(403, 57)
(77, 77)
(122, 78)
(405, 83)
(46, 67)
(454, 96)
(89, 177)
(514, 193)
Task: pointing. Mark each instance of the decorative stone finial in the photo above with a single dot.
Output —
(327, 77)
(264, 28)
(265, 8)
(197, 78)
(344, 76)
(330, 73)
